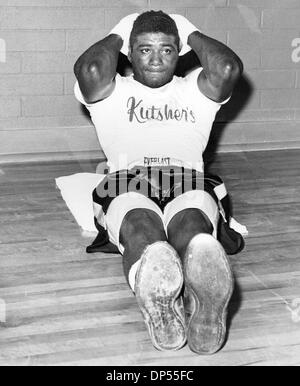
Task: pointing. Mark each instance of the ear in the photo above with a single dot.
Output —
(129, 56)
(180, 46)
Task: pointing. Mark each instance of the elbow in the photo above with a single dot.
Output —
(92, 70)
(83, 70)
(232, 70)
(91, 81)
(77, 67)
(238, 68)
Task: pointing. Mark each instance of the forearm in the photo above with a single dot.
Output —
(96, 68)
(219, 62)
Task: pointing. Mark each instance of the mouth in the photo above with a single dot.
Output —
(155, 74)
(155, 71)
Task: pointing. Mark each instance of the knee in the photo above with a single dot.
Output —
(191, 221)
(185, 225)
(197, 218)
(143, 225)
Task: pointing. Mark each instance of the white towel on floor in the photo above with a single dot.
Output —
(77, 190)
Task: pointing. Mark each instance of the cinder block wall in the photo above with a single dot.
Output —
(41, 39)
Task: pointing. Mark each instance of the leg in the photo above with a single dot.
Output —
(140, 228)
(158, 278)
(207, 275)
(184, 226)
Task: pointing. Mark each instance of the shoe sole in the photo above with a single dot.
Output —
(159, 281)
(209, 280)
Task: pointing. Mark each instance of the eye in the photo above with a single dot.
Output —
(145, 51)
(167, 51)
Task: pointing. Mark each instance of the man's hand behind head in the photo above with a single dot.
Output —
(123, 29)
(185, 29)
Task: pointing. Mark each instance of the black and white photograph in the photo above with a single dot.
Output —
(149, 186)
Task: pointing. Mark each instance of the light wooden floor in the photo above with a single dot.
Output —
(64, 307)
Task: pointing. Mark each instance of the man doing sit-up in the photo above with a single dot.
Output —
(155, 203)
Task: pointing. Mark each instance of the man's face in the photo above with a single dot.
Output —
(154, 58)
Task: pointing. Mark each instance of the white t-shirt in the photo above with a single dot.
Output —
(139, 125)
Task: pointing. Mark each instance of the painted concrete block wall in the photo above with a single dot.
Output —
(41, 39)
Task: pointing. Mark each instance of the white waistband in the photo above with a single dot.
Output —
(165, 161)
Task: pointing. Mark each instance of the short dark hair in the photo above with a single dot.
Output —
(154, 21)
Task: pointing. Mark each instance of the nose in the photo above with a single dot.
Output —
(156, 59)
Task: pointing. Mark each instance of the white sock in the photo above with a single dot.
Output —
(132, 274)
